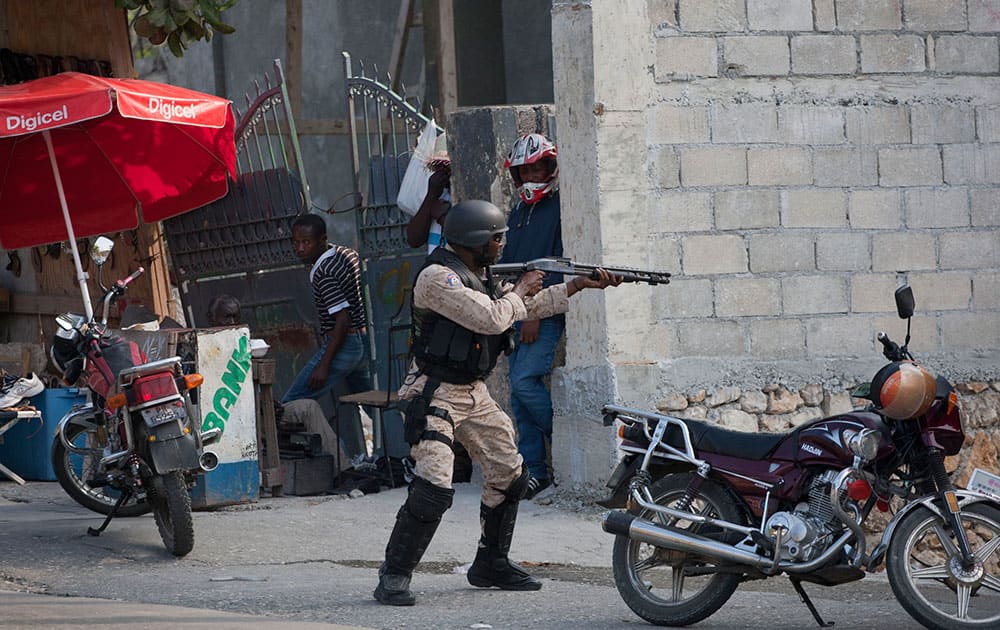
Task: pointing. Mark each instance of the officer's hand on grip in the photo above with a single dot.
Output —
(529, 284)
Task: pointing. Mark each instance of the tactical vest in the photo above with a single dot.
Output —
(447, 351)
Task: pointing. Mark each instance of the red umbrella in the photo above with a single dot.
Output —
(83, 155)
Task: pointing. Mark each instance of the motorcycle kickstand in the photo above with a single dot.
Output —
(125, 496)
(797, 585)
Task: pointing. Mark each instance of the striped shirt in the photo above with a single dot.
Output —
(336, 285)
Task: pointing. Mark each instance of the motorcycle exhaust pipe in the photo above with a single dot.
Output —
(641, 530)
(625, 524)
(208, 461)
(211, 436)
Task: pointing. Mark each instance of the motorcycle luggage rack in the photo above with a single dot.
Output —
(662, 449)
(656, 436)
(129, 374)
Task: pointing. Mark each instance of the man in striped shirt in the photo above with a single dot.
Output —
(335, 276)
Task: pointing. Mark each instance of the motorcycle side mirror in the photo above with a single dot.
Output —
(65, 322)
(101, 249)
(904, 302)
(862, 390)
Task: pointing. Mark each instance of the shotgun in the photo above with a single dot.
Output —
(568, 267)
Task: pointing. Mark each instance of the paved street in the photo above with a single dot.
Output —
(285, 562)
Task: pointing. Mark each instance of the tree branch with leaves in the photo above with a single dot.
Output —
(177, 22)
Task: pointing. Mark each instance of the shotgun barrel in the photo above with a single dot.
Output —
(566, 266)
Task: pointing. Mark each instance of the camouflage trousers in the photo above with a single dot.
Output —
(480, 424)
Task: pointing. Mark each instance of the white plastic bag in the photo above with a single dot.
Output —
(413, 188)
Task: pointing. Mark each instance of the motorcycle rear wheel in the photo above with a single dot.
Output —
(75, 473)
(172, 511)
(920, 562)
(672, 588)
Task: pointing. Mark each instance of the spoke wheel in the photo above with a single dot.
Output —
(926, 573)
(673, 588)
(79, 475)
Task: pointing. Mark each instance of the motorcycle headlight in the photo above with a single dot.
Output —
(864, 444)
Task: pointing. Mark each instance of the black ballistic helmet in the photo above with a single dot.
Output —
(473, 223)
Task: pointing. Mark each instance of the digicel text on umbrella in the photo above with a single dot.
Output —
(40, 119)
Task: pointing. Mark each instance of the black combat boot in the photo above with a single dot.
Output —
(416, 523)
(491, 566)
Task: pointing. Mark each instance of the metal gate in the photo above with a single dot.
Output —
(384, 126)
(240, 245)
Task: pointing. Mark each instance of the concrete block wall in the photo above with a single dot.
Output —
(824, 149)
(792, 162)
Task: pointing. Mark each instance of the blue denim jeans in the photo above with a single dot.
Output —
(350, 364)
(530, 399)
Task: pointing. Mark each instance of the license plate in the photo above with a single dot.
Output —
(155, 416)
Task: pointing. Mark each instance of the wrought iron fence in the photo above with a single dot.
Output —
(247, 231)
(384, 127)
(240, 245)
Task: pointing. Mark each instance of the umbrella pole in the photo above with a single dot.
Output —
(80, 276)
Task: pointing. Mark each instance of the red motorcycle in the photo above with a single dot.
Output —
(706, 508)
(134, 447)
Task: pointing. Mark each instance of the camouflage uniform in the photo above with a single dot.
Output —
(480, 424)
(461, 409)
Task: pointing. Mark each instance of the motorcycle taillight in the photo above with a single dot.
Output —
(154, 387)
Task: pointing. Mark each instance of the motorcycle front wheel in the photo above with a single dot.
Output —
(926, 574)
(172, 511)
(673, 588)
(82, 481)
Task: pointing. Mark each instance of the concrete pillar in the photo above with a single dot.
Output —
(601, 57)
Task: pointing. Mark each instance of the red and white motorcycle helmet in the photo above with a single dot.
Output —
(528, 149)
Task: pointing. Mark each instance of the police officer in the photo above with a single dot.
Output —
(461, 323)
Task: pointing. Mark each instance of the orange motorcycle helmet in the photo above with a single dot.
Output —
(903, 390)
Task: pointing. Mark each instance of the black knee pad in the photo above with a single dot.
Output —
(517, 489)
(427, 502)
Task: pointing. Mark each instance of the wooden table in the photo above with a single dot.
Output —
(7, 421)
(267, 429)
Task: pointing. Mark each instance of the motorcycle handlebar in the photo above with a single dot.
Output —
(138, 272)
(118, 289)
(890, 349)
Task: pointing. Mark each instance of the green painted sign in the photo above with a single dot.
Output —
(232, 383)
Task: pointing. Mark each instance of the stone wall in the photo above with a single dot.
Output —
(775, 408)
(792, 162)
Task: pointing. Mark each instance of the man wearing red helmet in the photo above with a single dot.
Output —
(534, 231)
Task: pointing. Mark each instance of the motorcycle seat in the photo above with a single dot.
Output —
(714, 439)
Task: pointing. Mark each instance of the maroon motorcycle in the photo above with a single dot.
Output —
(705, 508)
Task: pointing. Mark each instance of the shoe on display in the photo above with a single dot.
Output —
(25, 387)
(7, 380)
